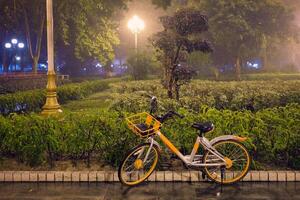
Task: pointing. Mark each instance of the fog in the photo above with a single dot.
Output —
(287, 54)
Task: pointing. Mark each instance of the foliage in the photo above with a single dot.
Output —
(203, 64)
(86, 29)
(244, 95)
(142, 64)
(33, 100)
(273, 135)
(28, 16)
(181, 36)
(239, 28)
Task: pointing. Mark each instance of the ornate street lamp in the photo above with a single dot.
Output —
(136, 25)
(51, 106)
(14, 45)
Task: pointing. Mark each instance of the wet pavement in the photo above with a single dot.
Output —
(149, 191)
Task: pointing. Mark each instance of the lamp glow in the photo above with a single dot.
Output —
(14, 41)
(21, 45)
(7, 45)
(18, 58)
(136, 24)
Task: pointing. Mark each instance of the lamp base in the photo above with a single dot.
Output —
(51, 106)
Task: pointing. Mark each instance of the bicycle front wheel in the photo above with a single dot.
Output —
(136, 168)
(237, 162)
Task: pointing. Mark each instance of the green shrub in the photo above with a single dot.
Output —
(244, 95)
(33, 100)
(273, 133)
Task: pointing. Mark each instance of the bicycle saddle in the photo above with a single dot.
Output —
(203, 127)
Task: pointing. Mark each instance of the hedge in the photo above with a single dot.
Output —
(274, 135)
(244, 95)
(33, 100)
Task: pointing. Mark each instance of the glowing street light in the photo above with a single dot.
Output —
(14, 41)
(7, 45)
(21, 45)
(136, 25)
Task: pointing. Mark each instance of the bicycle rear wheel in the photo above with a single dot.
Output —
(134, 169)
(237, 162)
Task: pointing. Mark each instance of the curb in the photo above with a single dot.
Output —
(156, 176)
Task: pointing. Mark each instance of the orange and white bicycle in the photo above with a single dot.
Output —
(225, 159)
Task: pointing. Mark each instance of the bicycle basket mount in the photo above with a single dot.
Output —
(143, 124)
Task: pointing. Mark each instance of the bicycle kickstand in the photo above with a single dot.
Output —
(222, 174)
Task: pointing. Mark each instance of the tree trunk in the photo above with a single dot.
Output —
(170, 86)
(177, 88)
(4, 61)
(35, 60)
(238, 69)
(36, 54)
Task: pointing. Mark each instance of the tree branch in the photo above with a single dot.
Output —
(27, 31)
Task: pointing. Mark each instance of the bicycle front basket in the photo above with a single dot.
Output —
(143, 124)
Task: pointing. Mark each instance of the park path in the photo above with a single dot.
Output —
(153, 191)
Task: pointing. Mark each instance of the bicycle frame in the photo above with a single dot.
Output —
(192, 159)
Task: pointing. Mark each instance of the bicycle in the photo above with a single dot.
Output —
(225, 160)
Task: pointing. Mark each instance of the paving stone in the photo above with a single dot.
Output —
(160, 176)
(25, 176)
(273, 176)
(41, 176)
(109, 176)
(290, 176)
(50, 176)
(17, 176)
(186, 176)
(195, 176)
(92, 176)
(168, 176)
(297, 174)
(75, 176)
(8, 176)
(84, 177)
(58, 176)
(152, 176)
(116, 177)
(247, 177)
(263, 176)
(177, 176)
(67, 176)
(101, 176)
(281, 176)
(1, 176)
(254, 176)
(33, 177)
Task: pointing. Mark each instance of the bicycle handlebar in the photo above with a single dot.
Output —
(168, 115)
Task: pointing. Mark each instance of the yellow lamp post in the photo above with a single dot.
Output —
(51, 106)
(136, 25)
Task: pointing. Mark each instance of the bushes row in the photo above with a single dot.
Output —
(33, 100)
(274, 135)
(244, 95)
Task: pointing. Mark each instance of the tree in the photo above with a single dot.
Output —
(34, 16)
(180, 37)
(203, 64)
(141, 65)
(240, 29)
(26, 16)
(86, 29)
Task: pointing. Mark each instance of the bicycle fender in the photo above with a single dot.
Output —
(227, 137)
